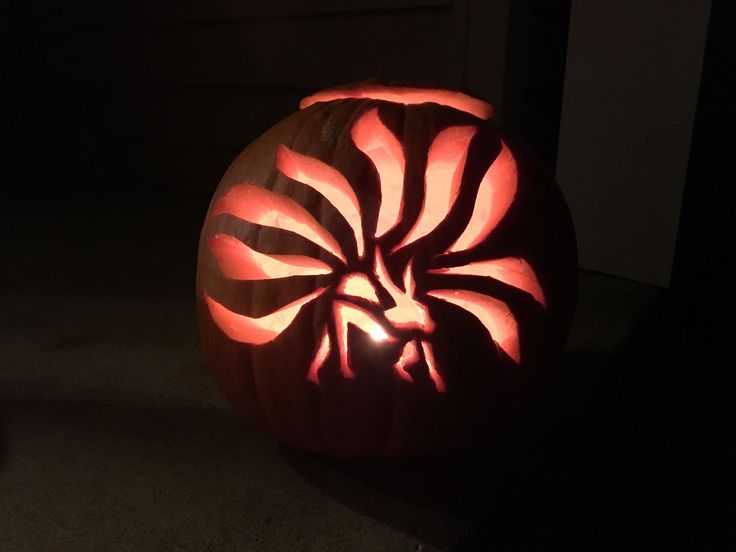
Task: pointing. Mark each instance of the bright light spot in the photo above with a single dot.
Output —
(377, 333)
(348, 314)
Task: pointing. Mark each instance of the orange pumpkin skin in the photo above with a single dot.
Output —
(464, 287)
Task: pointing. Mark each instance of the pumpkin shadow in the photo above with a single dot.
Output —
(606, 446)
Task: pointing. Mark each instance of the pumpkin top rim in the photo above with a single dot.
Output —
(403, 94)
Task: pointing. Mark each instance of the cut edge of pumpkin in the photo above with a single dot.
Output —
(406, 95)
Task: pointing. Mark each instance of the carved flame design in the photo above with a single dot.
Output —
(408, 319)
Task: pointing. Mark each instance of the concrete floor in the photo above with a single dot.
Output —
(114, 437)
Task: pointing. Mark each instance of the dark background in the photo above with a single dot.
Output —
(128, 90)
(118, 120)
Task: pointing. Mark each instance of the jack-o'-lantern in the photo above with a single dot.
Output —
(382, 272)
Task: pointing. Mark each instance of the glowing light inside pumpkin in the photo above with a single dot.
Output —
(348, 314)
(239, 262)
(372, 137)
(495, 194)
(256, 331)
(509, 270)
(442, 179)
(358, 285)
(406, 96)
(260, 206)
(494, 314)
(328, 182)
(379, 334)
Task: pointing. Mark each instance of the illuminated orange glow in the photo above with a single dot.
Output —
(442, 179)
(494, 314)
(323, 351)
(439, 384)
(261, 206)
(239, 262)
(404, 95)
(346, 313)
(358, 285)
(409, 356)
(256, 331)
(445, 165)
(327, 181)
(408, 312)
(372, 137)
(509, 270)
(495, 194)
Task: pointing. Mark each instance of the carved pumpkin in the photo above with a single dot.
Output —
(383, 273)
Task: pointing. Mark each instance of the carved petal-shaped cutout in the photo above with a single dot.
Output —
(374, 139)
(495, 316)
(260, 206)
(358, 285)
(329, 182)
(513, 271)
(323, 351)
(239, 262)
(442, 179)
(346, 313)
(495, 194)
(256, 331)
(404, 95)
